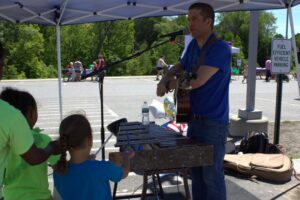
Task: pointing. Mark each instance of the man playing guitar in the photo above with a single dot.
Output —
(208, 60)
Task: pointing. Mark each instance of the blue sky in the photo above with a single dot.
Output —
(281, 20)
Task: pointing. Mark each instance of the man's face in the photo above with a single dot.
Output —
(198, 26)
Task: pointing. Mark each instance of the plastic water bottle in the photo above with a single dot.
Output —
(145, 113)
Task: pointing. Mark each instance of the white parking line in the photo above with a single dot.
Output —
(111, 111)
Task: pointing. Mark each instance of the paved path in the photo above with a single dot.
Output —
(123, 98)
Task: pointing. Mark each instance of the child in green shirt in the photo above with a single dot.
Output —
(21, 180)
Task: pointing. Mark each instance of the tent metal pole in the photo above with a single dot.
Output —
(253, 43)
(59, 68)
(294, 47)
(250, 113)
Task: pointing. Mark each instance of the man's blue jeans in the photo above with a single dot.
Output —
(208, 182)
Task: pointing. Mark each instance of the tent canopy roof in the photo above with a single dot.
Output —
(65, 12)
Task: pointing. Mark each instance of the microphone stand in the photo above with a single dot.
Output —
(101, 74)
(100, 81)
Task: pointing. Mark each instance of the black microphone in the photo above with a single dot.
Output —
(176, 33)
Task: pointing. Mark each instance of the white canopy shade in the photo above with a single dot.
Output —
(65, 12)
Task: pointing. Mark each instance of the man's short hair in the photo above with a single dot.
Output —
(207, 11)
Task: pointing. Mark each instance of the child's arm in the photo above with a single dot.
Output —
(127, 155)
(42, 140)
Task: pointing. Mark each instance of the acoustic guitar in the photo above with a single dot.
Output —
(182, 98)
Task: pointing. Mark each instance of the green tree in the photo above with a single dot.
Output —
(77, 44)
(25, 47)
(145, 31)
(172, 50)
(238, 24)
(49, 55)
(116, 43)
(297, 36)
(279, 36)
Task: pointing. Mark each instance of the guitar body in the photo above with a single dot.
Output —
(182, 100)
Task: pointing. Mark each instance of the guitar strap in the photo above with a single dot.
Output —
(207, 45)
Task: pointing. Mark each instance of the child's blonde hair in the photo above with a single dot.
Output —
(73, 131)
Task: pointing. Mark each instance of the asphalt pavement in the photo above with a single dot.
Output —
(123, 97)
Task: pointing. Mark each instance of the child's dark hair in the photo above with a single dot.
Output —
(21, 100)
(73, 131)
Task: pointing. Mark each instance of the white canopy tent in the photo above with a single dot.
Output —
(66, 12)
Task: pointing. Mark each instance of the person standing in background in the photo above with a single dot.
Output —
(101, 62)
(78, 67)
(160, 67)
(95, 68)
(245, 74)
(100, 65)
(268, 64)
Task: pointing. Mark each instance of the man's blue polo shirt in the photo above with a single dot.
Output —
(211, 100)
